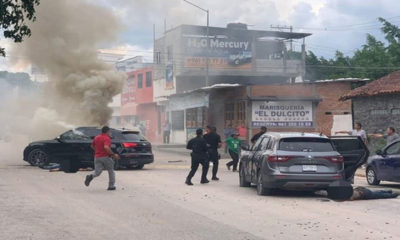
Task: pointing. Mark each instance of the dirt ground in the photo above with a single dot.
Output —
(154, 203)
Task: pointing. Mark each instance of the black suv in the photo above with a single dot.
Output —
(299, 161)
(72, 149)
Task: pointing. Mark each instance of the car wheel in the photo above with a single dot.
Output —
(38, 157)
(371, 177)
(242, 178)
(261, 190)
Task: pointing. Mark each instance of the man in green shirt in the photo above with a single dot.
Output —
(233, 143)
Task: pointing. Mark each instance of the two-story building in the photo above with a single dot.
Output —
(193, 74)
(137, 106)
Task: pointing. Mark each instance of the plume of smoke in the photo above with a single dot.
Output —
(63, 44)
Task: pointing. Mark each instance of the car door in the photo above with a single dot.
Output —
(66, 147)
(354, 152)
(389, 165)
(258, 155)
(245, 155)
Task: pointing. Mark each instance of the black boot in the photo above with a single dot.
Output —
(188, 182)
(88, 179)
(203, 181)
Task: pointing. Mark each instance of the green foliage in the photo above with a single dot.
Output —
(14, 15)
(373, 60)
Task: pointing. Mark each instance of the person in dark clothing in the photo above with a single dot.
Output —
(342, 190)
(214, 141)
(258, 135)
(199, 148)
(362, 193)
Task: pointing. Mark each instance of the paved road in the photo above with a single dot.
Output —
(154, 203)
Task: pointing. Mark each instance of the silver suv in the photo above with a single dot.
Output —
(299, 161)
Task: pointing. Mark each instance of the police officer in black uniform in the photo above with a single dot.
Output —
(199, 155)
(214, 141)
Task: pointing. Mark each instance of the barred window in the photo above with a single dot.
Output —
(396, 111)
(378, 112)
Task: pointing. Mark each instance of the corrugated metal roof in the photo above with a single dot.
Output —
(389, 84)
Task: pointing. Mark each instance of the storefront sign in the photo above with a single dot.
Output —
(282, 114)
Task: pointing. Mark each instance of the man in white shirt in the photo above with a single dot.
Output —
(357, 131)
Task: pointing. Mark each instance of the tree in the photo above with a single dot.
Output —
(14, 15)
(373, 60)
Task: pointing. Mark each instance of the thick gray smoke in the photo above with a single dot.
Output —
(63, 44)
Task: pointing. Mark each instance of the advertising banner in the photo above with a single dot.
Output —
(223, 52)
(282, 114)
(169, 77)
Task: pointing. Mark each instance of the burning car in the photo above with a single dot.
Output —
(72, 149)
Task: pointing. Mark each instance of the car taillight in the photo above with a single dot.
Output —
(129, 145)
(335, 159)
(274, 158)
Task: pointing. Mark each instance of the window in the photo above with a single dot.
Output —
(177, 120)
(195, 117)
(396, 111)
(393, 149)
(379, 112)
(344, 145)
(264, 143)
(229, 112)
(157, 57)
(241, 111)
(169, 52)
(306, 145)
(74, 135)
(257, 144)
(148, 79)
(140, 80)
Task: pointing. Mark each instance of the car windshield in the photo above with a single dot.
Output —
(305, 145)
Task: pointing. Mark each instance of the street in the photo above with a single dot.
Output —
(154, 203)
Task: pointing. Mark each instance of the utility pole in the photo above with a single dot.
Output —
(208, 41)
(280, 28)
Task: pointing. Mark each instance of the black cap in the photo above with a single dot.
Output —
(199, 131)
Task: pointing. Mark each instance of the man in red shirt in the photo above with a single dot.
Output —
(103, 158)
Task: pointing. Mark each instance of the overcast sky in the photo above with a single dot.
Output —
(335, 24)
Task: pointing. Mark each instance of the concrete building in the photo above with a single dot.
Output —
(137, 106)
(237, 59)
(376, 105)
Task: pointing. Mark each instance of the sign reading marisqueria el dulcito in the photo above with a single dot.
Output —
(282, 114)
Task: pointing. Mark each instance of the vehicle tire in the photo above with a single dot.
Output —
(371, 177)
(242, 178)
(261, 190)
(38, 157)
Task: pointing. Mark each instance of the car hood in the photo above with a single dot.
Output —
(41, 142)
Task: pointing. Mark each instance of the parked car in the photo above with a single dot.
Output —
(299, 161)
(72, 149)
(385, 165)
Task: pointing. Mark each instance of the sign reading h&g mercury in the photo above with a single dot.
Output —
(226, 52)
(282, 114)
